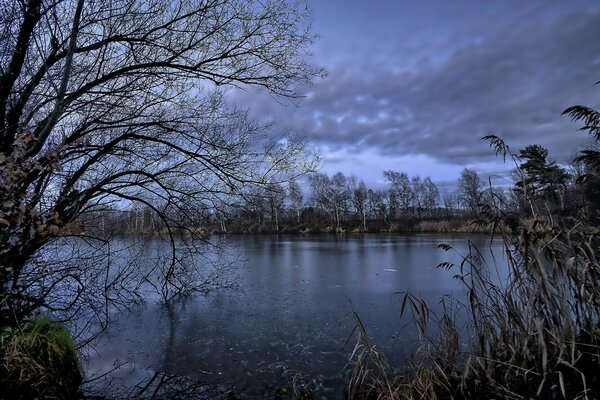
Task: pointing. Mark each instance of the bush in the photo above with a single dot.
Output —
(39, 361)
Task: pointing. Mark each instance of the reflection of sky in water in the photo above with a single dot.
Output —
(291, 309)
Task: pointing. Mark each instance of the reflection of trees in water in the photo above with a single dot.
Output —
(157, 386)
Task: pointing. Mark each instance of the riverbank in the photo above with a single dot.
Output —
(408, 225)
(462, 225)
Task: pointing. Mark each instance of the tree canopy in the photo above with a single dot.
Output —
(124, 101)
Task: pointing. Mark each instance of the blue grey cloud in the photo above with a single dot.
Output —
(502, 70)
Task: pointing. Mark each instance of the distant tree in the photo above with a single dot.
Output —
(418, 195)
(359, 198)
(371, 209)
(450, 203)
(296, 198)
(401, 186)
(392, 202)
(276, 197)
(320, 192)
(498, 199)
(340, 196)
(469, 190)
(223, 211)
(431, 196)
(330, 195)
(255, 204)
(377, 204)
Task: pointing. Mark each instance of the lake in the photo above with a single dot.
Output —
(290, 311)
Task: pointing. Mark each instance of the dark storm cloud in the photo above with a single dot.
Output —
(512, 78)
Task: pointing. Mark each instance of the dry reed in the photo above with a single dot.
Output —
(535, 334)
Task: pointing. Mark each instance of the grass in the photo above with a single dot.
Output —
(372, 376)
(39, 360)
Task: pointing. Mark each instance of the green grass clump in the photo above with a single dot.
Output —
(39, 361)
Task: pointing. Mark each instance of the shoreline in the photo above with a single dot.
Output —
(469, 226)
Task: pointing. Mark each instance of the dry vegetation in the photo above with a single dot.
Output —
(533, 334)
(39, 360)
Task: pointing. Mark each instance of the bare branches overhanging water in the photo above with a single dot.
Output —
(114, 103)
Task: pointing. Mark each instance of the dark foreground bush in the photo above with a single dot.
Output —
(39, 361)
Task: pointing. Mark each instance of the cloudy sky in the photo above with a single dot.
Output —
(413, 85)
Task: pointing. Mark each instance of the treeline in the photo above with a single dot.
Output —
(335, 203)
(341, 203)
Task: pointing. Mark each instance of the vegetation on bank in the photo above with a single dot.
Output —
(457, 225)
(405, 225)
(533, 336)
(38, 361)
(343, 203)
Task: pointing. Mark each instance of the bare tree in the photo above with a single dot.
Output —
(330, 195)
(296, 198)
(114, 102)
(378, 205)
(359, 198)
(256, 203)
(340, 195)
(450, 202)
(276, 198)
(320, 192)
(400, 185)
(418, 198)
(469, 189)
(431, 197)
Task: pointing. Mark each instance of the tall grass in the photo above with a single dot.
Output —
(371, 376)
(535, 334)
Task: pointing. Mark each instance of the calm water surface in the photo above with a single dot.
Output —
(290, 311)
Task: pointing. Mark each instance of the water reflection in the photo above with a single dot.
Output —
(290, 311)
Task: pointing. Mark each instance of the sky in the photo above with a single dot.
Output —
(412, 86)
